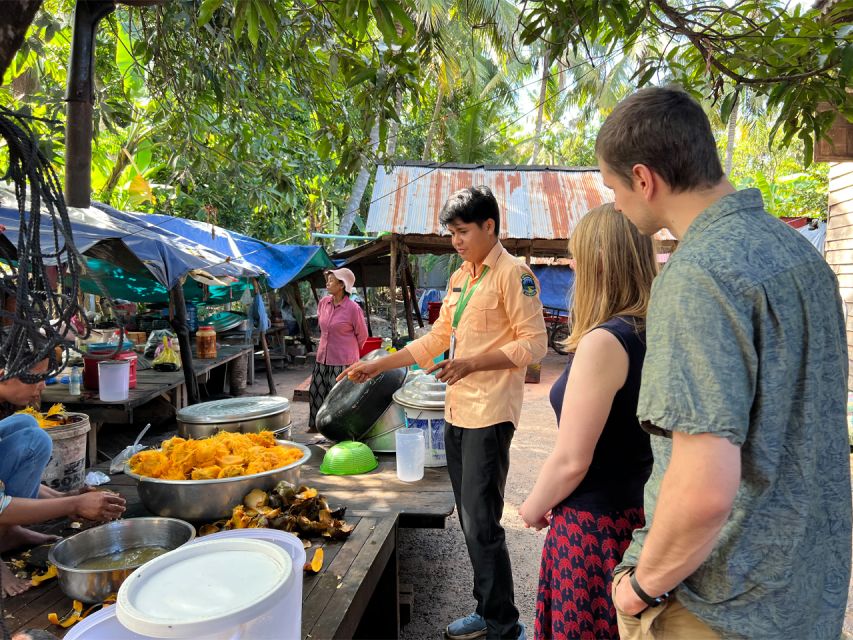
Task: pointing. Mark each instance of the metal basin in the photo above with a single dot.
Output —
(93, 585)
(199, 500)
(382, 436)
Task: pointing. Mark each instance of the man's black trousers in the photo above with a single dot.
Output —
(478, 462)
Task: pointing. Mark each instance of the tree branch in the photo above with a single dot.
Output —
(18, 16)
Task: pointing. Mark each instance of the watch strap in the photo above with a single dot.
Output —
(645, 597)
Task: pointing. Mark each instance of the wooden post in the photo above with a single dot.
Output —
(407, 298)
(393, 286)
(411, 283)
(179, 324)
(366, 301)
(306, 333)
(266, 348)
(527, 251)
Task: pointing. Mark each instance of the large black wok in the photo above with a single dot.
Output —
(351, 409)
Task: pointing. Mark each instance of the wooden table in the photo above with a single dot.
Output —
(150, 385)
(355, 594)
(424, 504)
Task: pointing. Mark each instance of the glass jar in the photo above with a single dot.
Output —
(205, 343)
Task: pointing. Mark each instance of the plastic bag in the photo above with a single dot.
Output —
(259, 313)
(167, 359)
(155, 341)
(117, 463)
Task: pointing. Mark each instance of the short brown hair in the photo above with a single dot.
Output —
(666, 130)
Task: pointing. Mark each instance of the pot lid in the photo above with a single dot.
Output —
(422, 391)
(234, 409)
(203, 588)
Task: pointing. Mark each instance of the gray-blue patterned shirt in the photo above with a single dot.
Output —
(746, 340)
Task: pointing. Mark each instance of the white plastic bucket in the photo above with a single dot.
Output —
(113, 380)
(102, 625)
(431, 422)
(66, 468)
(215, 589)
(290, 626)
(410, 454)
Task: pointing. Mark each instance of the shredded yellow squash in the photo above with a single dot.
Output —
(225, 455)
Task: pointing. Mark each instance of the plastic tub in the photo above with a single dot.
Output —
(370, 344)
(410, 454)
(90, 367)
(113, 380)
(215, 589)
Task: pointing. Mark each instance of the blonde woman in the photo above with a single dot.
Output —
(590, 488)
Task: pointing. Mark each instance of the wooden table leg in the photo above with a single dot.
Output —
(381, 618)
(92, 443)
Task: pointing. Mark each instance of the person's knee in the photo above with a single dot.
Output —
(38, 444)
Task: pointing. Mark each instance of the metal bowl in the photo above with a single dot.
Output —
(248, 414)
(93, 585)
(199, 500)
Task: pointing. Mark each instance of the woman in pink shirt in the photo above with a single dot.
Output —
(342, 332)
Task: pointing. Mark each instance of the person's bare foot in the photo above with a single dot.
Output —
(18, 536)
(12, 585)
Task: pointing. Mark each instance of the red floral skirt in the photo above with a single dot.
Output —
(580, 553)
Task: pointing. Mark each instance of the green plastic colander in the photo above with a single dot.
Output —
(348, 458)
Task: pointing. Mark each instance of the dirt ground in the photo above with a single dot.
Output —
(435, 561)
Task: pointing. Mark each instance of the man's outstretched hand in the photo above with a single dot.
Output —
(361, 371)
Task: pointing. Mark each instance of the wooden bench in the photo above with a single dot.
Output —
(300, 393)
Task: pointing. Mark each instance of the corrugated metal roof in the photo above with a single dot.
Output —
(536, 202)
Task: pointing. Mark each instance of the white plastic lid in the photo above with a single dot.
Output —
(204, 588)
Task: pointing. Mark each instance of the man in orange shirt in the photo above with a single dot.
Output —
(491, 322)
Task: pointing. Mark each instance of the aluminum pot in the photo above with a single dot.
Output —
(200, 500)
(93, 585)
(238, 415)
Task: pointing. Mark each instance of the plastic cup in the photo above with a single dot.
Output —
(410, 454)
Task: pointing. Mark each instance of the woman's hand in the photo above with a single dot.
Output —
(532, 520)
(361, 371)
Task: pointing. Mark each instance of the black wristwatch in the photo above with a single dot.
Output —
(645, 597)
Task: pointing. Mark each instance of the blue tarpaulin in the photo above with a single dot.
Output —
(282, 263)
(135, 246)
(557, 283)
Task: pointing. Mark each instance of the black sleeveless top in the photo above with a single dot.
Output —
(622, 460)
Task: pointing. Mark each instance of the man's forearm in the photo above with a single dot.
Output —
(492, 361)
(693, 505)
(401, 358)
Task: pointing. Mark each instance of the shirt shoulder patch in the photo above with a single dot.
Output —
(528, 285)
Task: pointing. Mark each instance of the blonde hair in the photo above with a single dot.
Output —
(614, 269)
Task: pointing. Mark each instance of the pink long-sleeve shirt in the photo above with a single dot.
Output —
(342, 331)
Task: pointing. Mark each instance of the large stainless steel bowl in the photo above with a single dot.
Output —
(93, 585)
(199, 500)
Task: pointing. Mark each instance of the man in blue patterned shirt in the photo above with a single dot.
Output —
(748, 514)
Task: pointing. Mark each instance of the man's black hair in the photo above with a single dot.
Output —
(472, 204)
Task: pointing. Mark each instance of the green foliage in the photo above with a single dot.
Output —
(256, 114)
(795, 59)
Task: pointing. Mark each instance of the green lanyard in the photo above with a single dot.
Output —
(463, 299)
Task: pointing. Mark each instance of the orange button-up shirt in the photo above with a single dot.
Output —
(503, 313)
